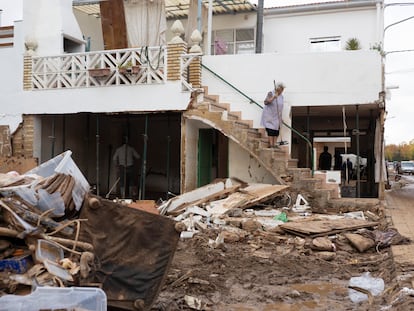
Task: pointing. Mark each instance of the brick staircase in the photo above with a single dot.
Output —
(254, 140)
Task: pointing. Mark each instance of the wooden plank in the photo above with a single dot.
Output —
(325, 227)
(113, 24)
(252, 195)
(209, 198)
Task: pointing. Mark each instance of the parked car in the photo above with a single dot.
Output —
(406, 167)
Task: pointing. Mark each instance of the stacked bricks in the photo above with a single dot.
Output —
(23, 138)
(27, 73)
(195, 72)
(174, 52)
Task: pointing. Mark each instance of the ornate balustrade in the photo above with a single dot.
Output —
(105, 68)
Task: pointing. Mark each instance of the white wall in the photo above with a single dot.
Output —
(99, 99)
(91, 27)
(47, 21)
(291, 32)
(243, 166)
(331, 78)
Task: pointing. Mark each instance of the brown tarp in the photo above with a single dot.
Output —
(133, 251)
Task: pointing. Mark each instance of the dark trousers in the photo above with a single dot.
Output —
(126, 179)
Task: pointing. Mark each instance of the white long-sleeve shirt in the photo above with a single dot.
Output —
(125, 152)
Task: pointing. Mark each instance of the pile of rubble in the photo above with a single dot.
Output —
(233, 206)
(63, 248)
(39, 240)
(240, 241)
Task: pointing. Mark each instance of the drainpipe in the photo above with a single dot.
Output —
(308, 136)
(168, 166)
(144, 162)
(259, 26)
(207, 51)
(64, 133)
(97, 155)
(200, 3)
(358, 189)
(52, 137)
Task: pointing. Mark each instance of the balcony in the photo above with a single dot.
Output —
(136, 66)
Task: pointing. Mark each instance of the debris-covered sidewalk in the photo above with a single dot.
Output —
(262, 247)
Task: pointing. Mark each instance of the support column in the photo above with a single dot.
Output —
(27, 72)
(195, 73)
(23, 138)
(175, 49)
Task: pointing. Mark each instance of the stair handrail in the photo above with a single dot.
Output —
(252, 101)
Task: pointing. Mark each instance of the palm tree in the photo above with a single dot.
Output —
(352, 44)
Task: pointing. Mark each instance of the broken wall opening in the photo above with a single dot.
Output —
(93, 139)
(329, 121)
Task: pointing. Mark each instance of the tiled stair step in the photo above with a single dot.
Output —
(269, 156)
(307, 184)
(253, 133)
(244, 123)
(211, 99)
(215, 106)
(211, 115)
(299, 173)
(234, 115)
(293, 163)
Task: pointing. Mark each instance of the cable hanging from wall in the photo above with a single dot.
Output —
(144, 52)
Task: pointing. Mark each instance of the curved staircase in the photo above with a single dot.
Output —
(254, 140)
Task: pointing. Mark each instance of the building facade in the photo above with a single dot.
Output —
(73, 80)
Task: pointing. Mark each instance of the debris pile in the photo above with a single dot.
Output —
(55, 235)
(39, 242)
(233, 208)
(259, 247)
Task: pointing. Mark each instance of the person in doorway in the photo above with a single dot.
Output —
(325, 160)
(272, 114)
(347, 170)
(124, 158)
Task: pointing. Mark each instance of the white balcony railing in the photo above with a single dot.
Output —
(105, 68)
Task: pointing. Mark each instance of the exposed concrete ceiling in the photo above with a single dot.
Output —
(364, 110)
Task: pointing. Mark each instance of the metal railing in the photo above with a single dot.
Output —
(252, 101)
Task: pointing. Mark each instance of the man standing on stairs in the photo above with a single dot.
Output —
(272, 114)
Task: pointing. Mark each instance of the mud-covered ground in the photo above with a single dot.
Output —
(272, 270)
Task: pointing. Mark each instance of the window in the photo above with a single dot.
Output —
(325, 44)
(233, 41)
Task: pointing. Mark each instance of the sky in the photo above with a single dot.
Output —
(399, 66)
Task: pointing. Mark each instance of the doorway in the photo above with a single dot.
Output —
(212, 156)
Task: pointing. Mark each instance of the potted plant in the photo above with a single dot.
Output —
(128, 67)
(99, 72)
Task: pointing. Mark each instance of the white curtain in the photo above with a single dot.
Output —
(146, 22)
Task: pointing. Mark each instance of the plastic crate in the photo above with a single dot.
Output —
(19, 264)
(52, 298)
(64, 164)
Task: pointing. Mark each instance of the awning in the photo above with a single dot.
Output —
(176, 9)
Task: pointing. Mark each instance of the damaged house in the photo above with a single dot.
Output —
(186, 85)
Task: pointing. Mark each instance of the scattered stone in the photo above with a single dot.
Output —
(322, 244)
(251, 225)
(328, 256)
(360, 242)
